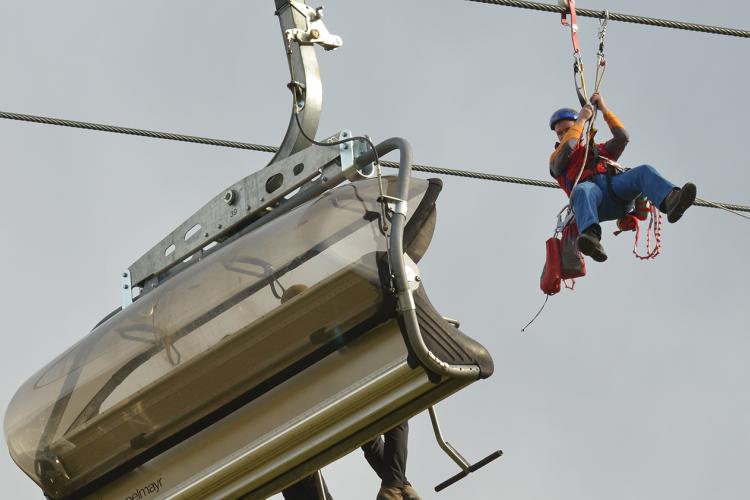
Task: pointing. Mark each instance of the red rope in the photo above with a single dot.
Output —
(654, 226)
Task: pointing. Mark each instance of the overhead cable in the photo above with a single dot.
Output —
(730, 207)
(626, 18)
(477, 175)
(271, 149)
(139, 132)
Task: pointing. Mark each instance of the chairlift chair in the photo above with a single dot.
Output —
(290, 329)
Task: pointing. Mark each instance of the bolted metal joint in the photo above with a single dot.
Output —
(316, 32)
(230, 197)
(126, 293)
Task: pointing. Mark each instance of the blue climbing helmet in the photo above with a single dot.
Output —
(562, 114)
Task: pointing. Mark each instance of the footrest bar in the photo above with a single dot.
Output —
(469, 470)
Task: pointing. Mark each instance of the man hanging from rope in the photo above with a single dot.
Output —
(603, 191)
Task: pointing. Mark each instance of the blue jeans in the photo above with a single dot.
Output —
(592, 201)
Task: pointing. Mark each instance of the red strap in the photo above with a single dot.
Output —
(573, 25)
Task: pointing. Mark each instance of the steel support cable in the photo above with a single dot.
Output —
(477, 175)
(272, 149)
(626, 18)
(730, 207)
(139, 132)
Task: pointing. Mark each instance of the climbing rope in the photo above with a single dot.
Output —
(649, 21)
(654, 227)
(580, 81)
(643, 209)
(430, 169)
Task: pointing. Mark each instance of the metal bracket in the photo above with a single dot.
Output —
(298, 91)
(303, 66)
(466, 467)
(127, 289)
(244, 201)
(412, 273)
(315, 32)
(360, 148)
(397, 205)
(346, 150)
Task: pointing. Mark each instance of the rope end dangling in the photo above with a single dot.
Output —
(547, 296)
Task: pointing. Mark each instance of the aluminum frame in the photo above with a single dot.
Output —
(241, 202)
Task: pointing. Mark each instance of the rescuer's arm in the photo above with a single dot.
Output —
(620, 137)
(558, 162)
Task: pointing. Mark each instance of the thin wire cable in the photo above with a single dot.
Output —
(626, 18)
(468, 174)
(296, 109)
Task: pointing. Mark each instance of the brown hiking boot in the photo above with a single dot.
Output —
(678, 201)
(389, 494)
(589, 244)
(409, 493)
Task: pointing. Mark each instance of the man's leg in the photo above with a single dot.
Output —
(387, 456)
(394, 454)
(663, 194)
(374, 455)
(585, 199)
(644, 179)
(306, 489)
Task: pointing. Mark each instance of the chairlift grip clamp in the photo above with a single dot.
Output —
(316, 32)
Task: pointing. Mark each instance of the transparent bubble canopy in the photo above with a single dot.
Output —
(189, 348)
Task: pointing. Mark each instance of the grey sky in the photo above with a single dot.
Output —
(632, 386)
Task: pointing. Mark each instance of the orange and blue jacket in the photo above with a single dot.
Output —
(566, 161)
